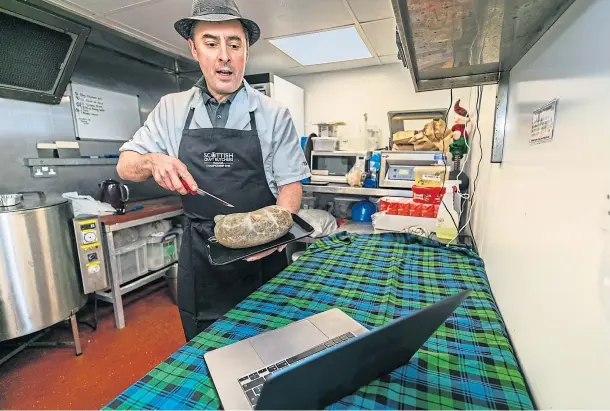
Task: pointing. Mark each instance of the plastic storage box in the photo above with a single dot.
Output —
(132, 261)
(162, 250)
(309, 202)
(325, 143)
(400, 224)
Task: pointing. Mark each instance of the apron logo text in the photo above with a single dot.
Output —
(218, 160)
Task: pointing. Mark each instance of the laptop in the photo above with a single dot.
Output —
(315, 362)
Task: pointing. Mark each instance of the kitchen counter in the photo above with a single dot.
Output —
(346, 189)
(154, 210)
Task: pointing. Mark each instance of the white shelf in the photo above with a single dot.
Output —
(361, 191)
(32, 162)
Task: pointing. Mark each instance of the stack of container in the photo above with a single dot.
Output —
(431, 207)
(132, 261)
(146, 248)
(162, 249)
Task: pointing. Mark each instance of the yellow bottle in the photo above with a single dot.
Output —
(447, 218)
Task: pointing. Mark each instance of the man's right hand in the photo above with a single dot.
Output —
(167, 170)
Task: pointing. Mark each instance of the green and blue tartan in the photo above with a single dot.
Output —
(468, 363)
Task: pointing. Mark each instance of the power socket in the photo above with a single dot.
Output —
(44, 172)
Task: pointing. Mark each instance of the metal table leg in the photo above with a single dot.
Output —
(34, 343)
(115, 286)
(23, 346)
(77, 346)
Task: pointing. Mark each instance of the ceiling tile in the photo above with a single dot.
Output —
(392, 59)
(156, 19)
(65, 4)
(285, 17)
(295, 71)
(382, 35)
(369, 10)
(152, 21)
(102, 7)
(345, 65)
(265, 58)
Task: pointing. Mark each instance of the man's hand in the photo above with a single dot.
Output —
(167, 171)
(290, 199)
(265, 254)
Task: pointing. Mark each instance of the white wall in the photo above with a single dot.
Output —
(346, 95)
(293, 98)
(541, 212)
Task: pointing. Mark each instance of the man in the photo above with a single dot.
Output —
(228, 139)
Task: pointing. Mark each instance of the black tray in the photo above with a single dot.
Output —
(220, 255)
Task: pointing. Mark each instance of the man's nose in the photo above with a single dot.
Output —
(224, 53)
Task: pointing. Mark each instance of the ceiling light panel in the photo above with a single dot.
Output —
(323, 47)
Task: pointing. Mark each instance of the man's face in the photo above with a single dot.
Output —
(222, 53)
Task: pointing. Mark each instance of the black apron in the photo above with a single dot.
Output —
(229, 164)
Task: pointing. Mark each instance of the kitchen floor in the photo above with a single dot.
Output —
(54, 378)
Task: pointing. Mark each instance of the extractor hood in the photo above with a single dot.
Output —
(39, 52)
(461, 43)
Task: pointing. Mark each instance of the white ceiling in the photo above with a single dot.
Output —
(152, 21)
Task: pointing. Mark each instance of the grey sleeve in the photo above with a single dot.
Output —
(289, 164)
(154, 135)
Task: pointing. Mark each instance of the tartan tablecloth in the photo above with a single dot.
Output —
(468, 363)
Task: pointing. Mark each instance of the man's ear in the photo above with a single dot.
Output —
(193, 48)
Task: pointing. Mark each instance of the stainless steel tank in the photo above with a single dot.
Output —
(39, 282)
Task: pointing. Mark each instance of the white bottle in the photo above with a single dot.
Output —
(447, 218)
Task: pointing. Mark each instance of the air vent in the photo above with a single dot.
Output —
(39, 51)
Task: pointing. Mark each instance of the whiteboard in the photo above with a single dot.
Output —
(103, 114)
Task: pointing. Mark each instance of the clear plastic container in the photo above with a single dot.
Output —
(132, 261)
(162, 250)
(309, 202)
(325, 143)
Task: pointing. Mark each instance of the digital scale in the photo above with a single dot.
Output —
(398, 167)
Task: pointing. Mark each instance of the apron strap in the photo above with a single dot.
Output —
(189, 118)
(252, 121)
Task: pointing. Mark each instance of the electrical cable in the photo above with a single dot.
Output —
(474, 186)
(465, 196)
(476, 131)
(467, 156)
(444, 157)
(473, 198)
(94, 325)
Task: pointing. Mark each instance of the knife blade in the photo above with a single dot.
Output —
(204, 193)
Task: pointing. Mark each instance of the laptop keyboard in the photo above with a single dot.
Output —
(253, 383)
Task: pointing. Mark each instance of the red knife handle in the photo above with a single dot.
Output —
(185, 184)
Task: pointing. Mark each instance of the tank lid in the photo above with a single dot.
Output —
(27, 201)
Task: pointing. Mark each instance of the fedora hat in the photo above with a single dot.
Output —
(216, 10)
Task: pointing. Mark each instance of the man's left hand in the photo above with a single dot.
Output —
(290, 199)
(265, 253)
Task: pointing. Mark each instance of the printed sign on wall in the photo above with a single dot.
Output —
(543, 123)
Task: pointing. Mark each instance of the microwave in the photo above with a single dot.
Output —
(333, 166)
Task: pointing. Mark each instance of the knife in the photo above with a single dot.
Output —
(203, 193)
